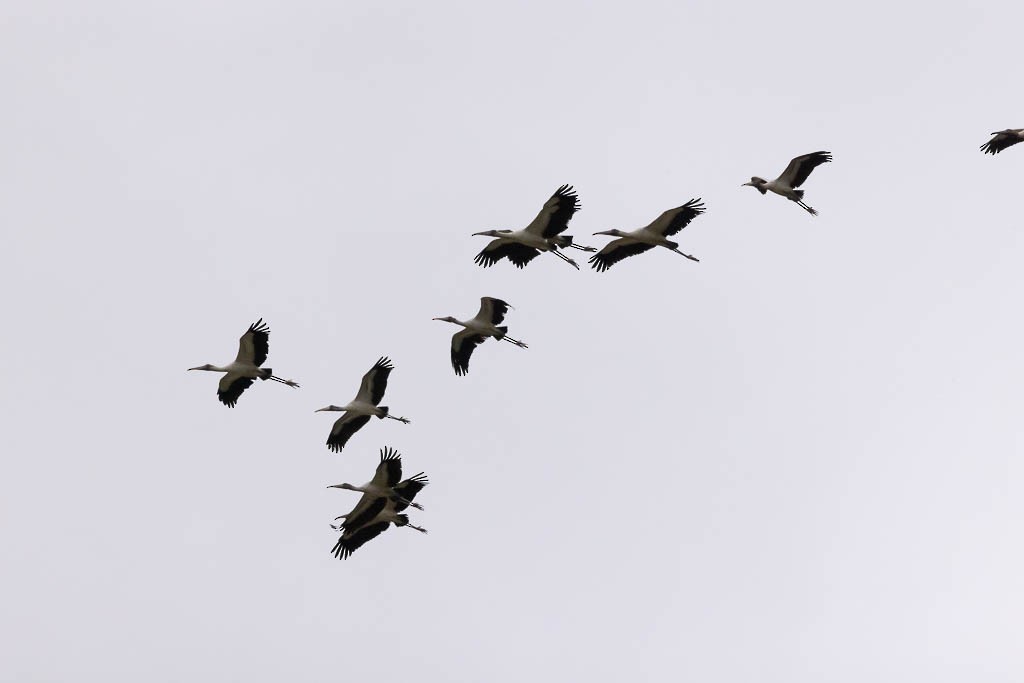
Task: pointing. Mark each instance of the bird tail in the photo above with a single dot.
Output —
(503, 329)
(401, 520)
(382, 412)
(562, 240)
(799, 194)
(265, 373)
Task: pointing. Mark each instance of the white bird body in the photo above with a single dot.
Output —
(365, 405)
(543, 234)
(631, 243)
(477, 330)
(253, 347)
(794, 176)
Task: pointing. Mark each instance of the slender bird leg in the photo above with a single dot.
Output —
(565, 258)
(283, 381)
(417, 528)
(581, 247)
(399, 499)
(692, 258)
(518, 343)
(807, 208)
(400, 419)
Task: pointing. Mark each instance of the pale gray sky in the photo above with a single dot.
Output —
(796, 461)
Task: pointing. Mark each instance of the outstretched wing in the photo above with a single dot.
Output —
(1001, 140)
(518, 254)
(254, 345)
(343, 429)
(231, 387)
(799, 168)
(615, 251)
(375, 382)
(554, 217)
(672, 221)
(492, 310)
(350, 542)
(463, 344)
(389, 469)
(408, 489)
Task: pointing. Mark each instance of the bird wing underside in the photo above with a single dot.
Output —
(254, 345)
(800, 167)
(231, 387)
(463, 344)
(672, 221)
(375, 382)
(615, 251)
(343, 429)
(350, 542)
(492, 310)
(554, 216)
(1000, 141)
(409, 488)
(518, 254)
(389, 469)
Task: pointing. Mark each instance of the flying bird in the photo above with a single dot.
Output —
(654, 235)
(793, 177)
(543, 234)
(253, 347)
(364, 406)
(485, 324)
(1002, 139)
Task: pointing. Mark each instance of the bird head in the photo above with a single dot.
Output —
(755, 181)
(329, 409)
(203, 367)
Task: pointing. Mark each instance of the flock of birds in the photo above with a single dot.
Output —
(386, 496)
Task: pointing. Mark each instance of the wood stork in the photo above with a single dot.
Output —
(253, 347)
(483, 325)
(1002, 139)
(387, 483)
(793, 177)
(654, 235)
(372, 523)
(364, 406)
(543, 234)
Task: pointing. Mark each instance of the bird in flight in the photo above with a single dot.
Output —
(792, 178)
(543, 234)
(483, 325)
(654, 235)
(253, 347)
(364, 406)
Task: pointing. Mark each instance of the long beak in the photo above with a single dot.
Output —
(747, 185)
(335, 486)
(475, 234)
(604, 232)
(198, 368)
(441, 319)
(328, 409)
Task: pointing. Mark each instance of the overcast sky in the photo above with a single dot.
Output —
(799, 460)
